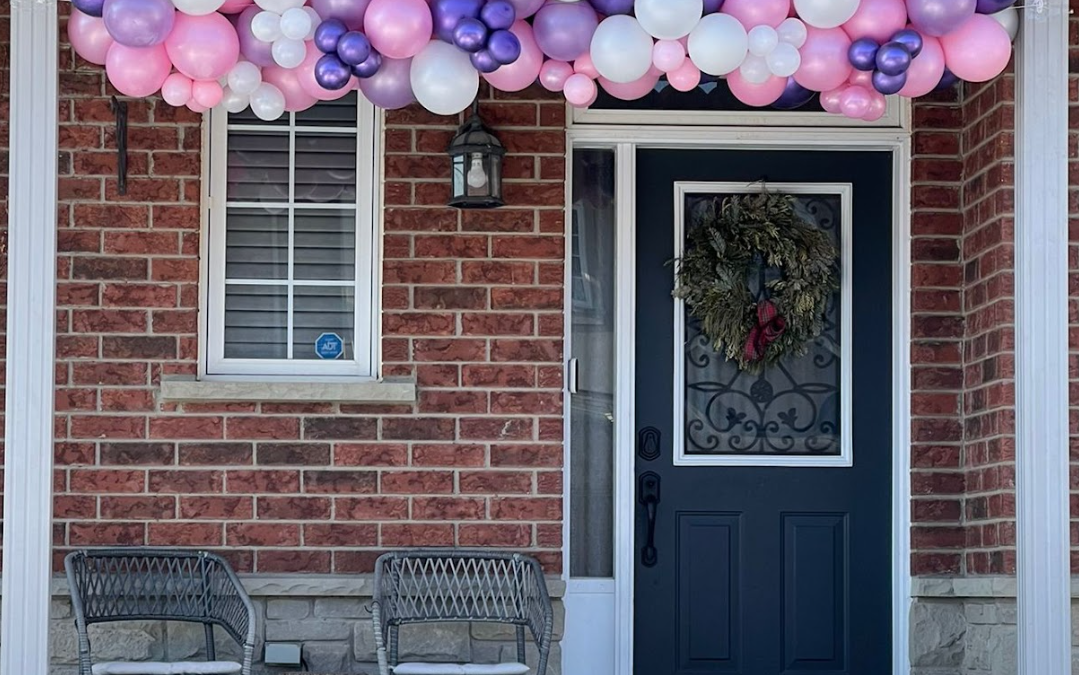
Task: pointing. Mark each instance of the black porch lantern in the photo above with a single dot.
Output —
(476, 154)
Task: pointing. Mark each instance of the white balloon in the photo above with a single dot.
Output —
(755, 69)
(622, 49)
(762, 40)
(198, 7)
(315, 21)
(233, 101)
(266, 26)
(268, 103)
(784, 60)
(793, 32)
(279, 6)
(288, 53)
(443, 78)
(244, 78)
(668, 19)
(295, 24)
(1009, 18)
(718, 44)
(826, 13)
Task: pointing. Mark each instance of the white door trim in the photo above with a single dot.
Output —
(625, 141)
(31, 335)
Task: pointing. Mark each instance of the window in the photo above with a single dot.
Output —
(291, 258)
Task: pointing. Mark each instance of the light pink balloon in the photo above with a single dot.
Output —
(553, 75)
(877, 107)
(89, 37)
(399, 29)
(137, 72)
(176, 89)
(580, 90)
(756, 95)
(862, 78)
(235, 6)
(854, 102)
(195, 107)
(758, 12)
(288, 81)
(925, 70)
(306, 74)
(825, 64)
(207, 93)
(668, 55)
(829, 100)
(524, 71)
(877, 19)
(584, 66)
(979, 50)
(685, 78)
(630, 91)
(203, 47)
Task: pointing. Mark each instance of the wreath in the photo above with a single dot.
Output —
(737, 236)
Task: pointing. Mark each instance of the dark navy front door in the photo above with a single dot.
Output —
(769, 495)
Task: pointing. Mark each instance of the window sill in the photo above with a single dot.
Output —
(375, 391)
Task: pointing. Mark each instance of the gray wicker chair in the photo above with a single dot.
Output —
(458, 585)
(142, 584)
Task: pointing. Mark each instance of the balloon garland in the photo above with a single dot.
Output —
(286, 55)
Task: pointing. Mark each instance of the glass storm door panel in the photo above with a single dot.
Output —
(766, 498)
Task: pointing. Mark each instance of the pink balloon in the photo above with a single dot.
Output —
(825, 64)
(580, 90)
(553, 75)
(254, 50)
(524, 71)
(306, 74)
(630, 91)
(176, 90)
(349, 11)
(854, 102)
(863, 78)
(288, 81)
(668, 55)
(685, 78)
(878, 105)
(757, 95)
(979, 50)
(399, 29)
(235, 6)
(203, 47)
(526, 8)
(89, 37)
(195, 107)
(758, 12)
(584, 66)
(829, 100)
(925, 70)
(137, 72)
(877, 19)
(207, 93)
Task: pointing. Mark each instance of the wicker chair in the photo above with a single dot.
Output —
(140, 584)
(433, 586)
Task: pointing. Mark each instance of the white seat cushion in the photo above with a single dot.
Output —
(178, 668)
(460, 669)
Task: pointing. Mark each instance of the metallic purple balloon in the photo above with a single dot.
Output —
(993, 6)
(139, 23)
(448, 13)
(612, 7)
(863, 54)
(89, 7)
(947, 81)
(391, 86)
(564, 30)
(889, 84)
(353, 48)
(349, 11)
(470, 35)
(893, 59)
(484, 62)
(794, 96)
(369, 67)
(331, 73)
(911, 39)
(940, 17)
(328, 33)
(498, 15)
(711, 6)
(504, 46)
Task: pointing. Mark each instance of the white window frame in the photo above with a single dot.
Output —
(365, 364)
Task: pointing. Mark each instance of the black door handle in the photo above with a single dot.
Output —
(648, 496)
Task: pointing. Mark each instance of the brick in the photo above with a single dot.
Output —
(142, 507)
(340, 428)
(275, 482)
(95, 481)
(293, 508)
(215, 454)
(406, 535)
(340, 534)
(448, 508)
(216, 508)
(152, 454)
(371, 508)
(495, 482)
(186, 427)
(448, 455)
(518, 536)
(185, 534)
(359, 482)
(530, 509)
(262, 534)
(185, 482)
(370, 454)
(416, 482)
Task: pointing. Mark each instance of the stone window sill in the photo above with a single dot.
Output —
(390, 391)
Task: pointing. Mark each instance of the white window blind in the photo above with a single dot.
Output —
(291, 283)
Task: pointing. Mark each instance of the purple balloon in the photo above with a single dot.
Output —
(470, 35)
(564, 30)
(139, 23)
(328, 33)
(498, 15)
(504, 46)
(940, 17)
(448, 13)
(353, 48)
(911, 39)
(254, 50)
(711, 6)
(349, 11)
(391, 86)
(893, 59)
(993, 6)
(526, 8)
(794, 96)
(89, 7)
(612, 7)
(889, 84)
(947, 81)
(369, 67)
(863, 54)
(484, 61)
(332, 73)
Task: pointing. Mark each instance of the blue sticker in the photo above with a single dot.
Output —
(329, 346)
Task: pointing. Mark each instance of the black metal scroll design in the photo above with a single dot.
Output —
(792, 408)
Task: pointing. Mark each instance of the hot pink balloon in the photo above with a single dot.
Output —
(630, 91)
(526, 8)
(306, 75)
(829, 100)
(254, 50)
(825, 64)
(854, 102)
(137, 72)
(584, 66)
(89, 37)
(685, 78)
(979, 50)
(553, 75)
(877, 19)
(877, 107)
(756, 95)
(176, 90)
(288, 81)
(203, 47)
(399, 29)
(523, 72)
(235, 6)
(758, 12)
(207, 93)
(925, 70)
(580, 90)
(668, 55)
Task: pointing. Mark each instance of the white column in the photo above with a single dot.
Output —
(1041, 309)
(31, 305)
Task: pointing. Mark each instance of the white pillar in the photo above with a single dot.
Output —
(31, 306)
(1041, 336)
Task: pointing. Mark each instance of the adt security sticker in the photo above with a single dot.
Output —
(329, 346)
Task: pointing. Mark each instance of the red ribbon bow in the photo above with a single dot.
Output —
(770, 327)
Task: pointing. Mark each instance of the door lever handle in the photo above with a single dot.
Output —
(649, 496)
